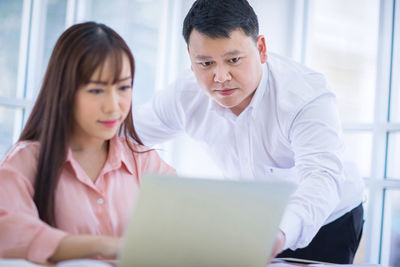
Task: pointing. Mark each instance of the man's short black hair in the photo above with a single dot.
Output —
(218, 18)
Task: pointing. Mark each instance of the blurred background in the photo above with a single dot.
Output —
(355, 43)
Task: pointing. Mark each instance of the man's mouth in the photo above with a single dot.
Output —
(226, 91)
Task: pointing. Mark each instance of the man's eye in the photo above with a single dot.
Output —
(95, 91)
(206, 64)
(234, 60)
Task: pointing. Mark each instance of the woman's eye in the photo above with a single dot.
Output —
(95, 91)
(234, 60)
(125, 88)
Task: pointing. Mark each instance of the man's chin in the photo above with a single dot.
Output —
(224, 104)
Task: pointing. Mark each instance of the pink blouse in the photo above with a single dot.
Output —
(82, 206)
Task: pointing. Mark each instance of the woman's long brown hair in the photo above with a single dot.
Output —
(79, 51)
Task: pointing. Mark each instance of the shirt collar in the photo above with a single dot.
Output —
(117, 154)
(260, 91)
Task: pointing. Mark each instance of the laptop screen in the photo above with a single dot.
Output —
(203, 222)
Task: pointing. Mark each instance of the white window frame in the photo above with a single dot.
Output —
(377, 236)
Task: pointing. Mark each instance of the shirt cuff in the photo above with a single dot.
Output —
(44, 244)
(291, 227)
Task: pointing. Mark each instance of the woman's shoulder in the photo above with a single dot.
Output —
(127, 144)
(147, 159)
(138, 151)
(131, 150)
(23, 152)
(20, 163)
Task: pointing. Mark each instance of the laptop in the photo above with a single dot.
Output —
(203, 222)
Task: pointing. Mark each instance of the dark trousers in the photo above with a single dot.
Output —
(336, 242)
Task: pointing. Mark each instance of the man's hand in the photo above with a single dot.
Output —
(279, 243)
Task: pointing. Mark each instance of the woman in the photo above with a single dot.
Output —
(68, 185)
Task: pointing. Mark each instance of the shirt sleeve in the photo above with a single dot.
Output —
(316, 140)
(160, 119)
(23, 234)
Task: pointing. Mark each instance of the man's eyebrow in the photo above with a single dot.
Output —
(227, 54)
(201, 57)
(231, 53)
(105, 83)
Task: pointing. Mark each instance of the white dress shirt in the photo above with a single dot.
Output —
(290, 131)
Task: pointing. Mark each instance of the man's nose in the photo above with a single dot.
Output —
(221, 74)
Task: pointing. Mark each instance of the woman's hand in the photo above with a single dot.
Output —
(86, 246)
(109, 246)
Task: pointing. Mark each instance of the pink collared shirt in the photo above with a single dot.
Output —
(82, 206)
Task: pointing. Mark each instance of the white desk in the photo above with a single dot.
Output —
(96, 263)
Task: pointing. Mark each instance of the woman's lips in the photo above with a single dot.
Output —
(109, 124)
(226, 92)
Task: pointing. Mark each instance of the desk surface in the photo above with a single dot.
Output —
(96, 263)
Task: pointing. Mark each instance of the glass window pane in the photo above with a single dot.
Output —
(55, 25)
(391, 229)
(393, 160)
(342, 44)
(359, 149)
(395, 98)
(10, 127)
(10, 31)
(395, 90)
(138, 23)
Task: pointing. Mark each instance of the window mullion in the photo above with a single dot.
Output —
(24, 48)
(35, 54)
(70, 15)
(375, 208)
(395, 78)
(298, 23)
(390, 184)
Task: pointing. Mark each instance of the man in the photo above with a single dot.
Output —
(263, 116)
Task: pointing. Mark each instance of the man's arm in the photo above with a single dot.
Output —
(315, 136)
(279, 244)
(158, 120)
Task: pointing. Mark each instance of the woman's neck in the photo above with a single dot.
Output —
(78, 145)
(90, 155)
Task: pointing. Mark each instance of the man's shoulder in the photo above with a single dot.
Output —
(291, 70)
(292, 87)
(295, 84)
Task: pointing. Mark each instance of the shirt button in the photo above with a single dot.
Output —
(100, 201)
